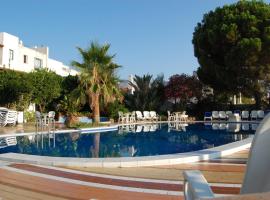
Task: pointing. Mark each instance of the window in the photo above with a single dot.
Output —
(38, 63)
(11, 54)
(25, 59)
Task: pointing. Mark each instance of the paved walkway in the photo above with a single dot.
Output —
(21, 181)
(25, 181)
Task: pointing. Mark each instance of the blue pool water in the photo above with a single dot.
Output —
(130, 141)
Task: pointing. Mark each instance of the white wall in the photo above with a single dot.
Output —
(13, 43)
(9, 42)
(131, 88)
(58, 67)
(31, 55)
(1, 48)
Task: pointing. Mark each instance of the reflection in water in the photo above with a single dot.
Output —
(41, 139)
(126, 129)
(245, 126)
(254, 126)
(146, 128)
(153, 127)
(177, 126)
(231, 127)
(95, 148)
(138, 128)
(128, 151)
(215, 126)
(234, 127)
(129, 141)
(223, 126)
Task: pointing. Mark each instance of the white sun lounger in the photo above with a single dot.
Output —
(260, 114)
(3, 114)
(153, 115)
(254, 114)
(245, 115)
(139, 115)
(222, 115)
(146, 115)
(215, 115)
(8, 117)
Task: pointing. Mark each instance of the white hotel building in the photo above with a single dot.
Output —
(15, 56)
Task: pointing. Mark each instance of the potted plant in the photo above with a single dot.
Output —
(69, 107)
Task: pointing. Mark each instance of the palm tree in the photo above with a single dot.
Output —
(98, 76)
(148, 93)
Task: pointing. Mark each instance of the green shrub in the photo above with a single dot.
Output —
(29, 116)
(46, 87)
(15, 89)
(114, 108)
(18, 89)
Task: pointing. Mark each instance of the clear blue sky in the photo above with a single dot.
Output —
(147, 36)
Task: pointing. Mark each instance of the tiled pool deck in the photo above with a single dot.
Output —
(26, 181)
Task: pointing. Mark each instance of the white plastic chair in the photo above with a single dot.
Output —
(171, 117)
(215, 115)
(245, 114)
(183, 116)
(132, 117)
(51, 120)
(51, 117)
(127, 117)
(257, 176)
(38, 118)
(121, 117)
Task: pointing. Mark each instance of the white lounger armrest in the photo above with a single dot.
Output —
(196, 186)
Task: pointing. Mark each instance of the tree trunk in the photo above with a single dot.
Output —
(258, 99)
(95, 105)
(41, 108)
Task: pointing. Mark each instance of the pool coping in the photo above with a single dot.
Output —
(79, 130)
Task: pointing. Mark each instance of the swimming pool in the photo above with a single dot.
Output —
(130, 141)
